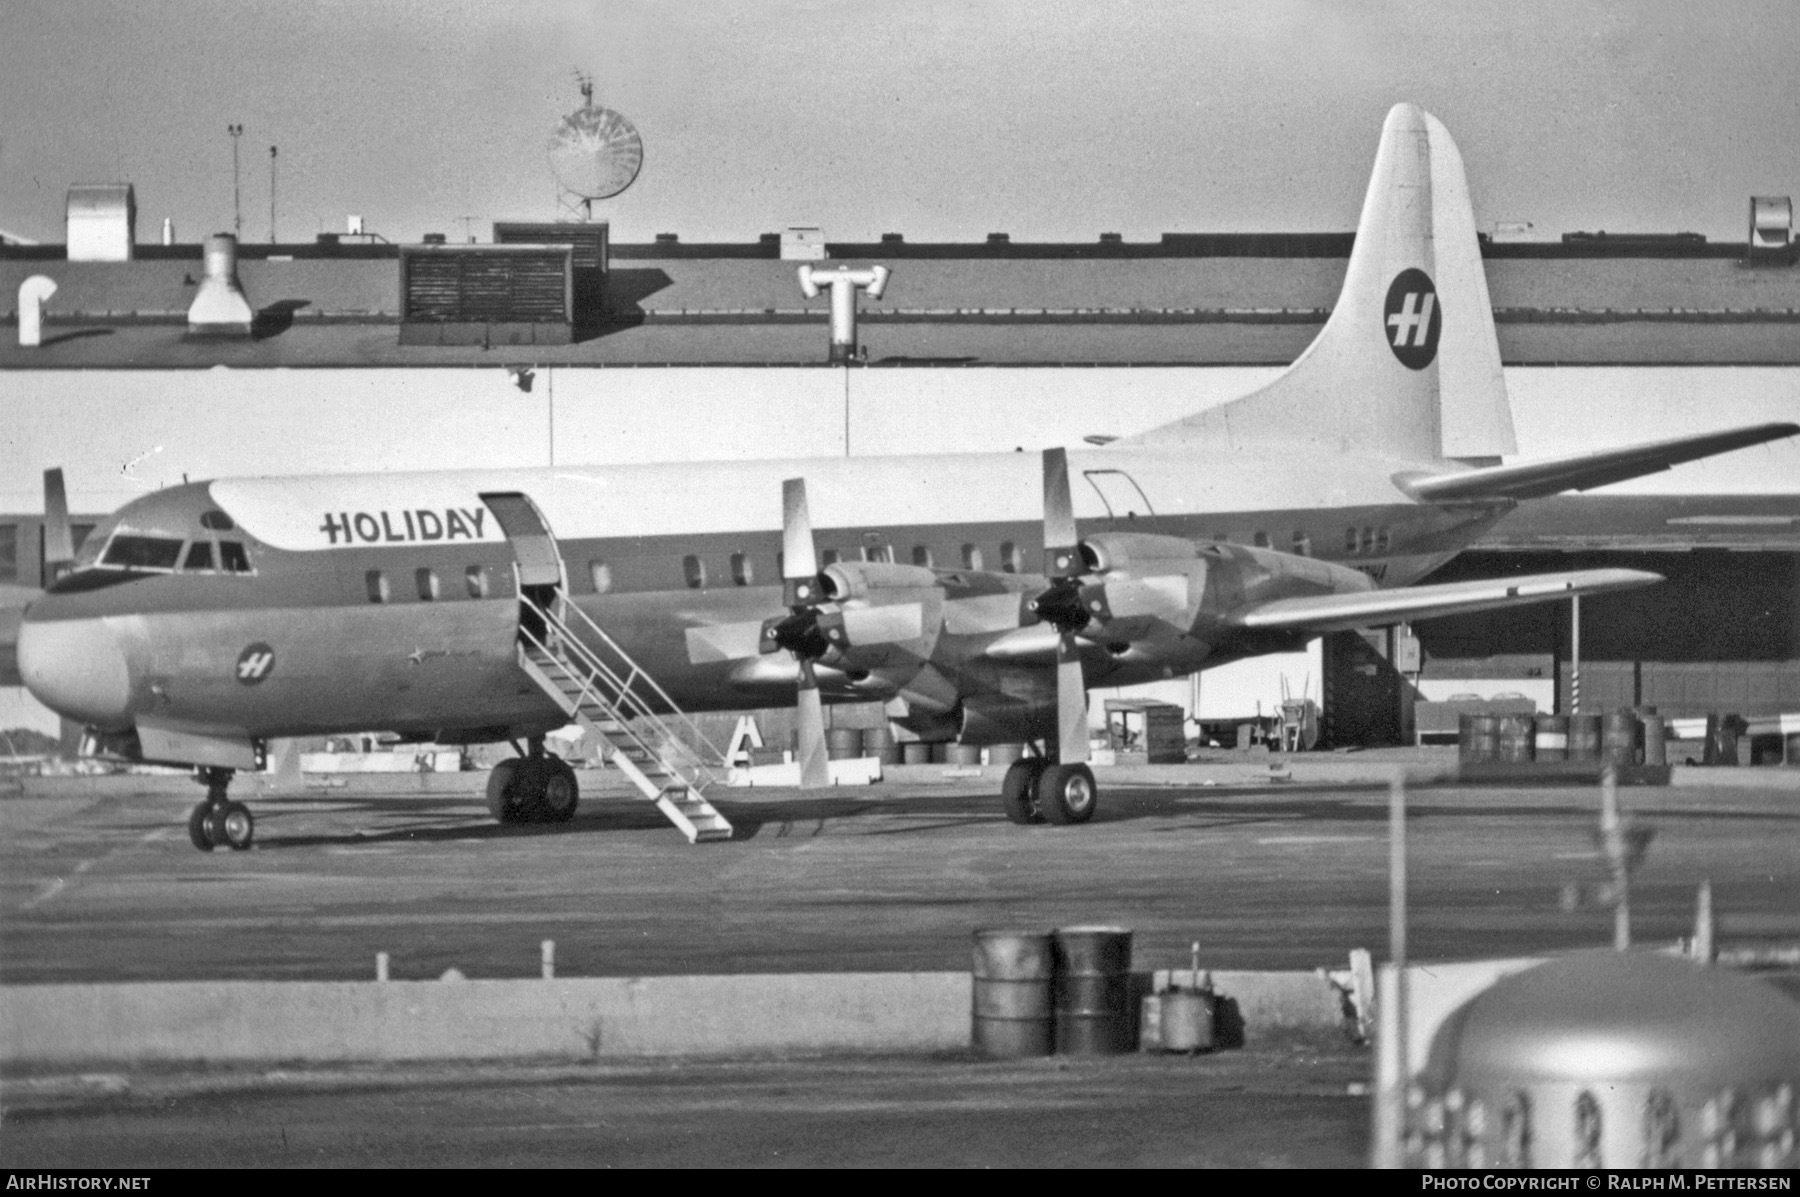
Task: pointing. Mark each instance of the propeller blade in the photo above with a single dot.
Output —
(1062, 558)
(799, 563)
(894, 624)
(59, 540)
(1071, 704)
(815, 767)
(724, 642)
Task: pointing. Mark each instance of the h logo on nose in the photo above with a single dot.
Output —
(255, 663)
(1412, 319)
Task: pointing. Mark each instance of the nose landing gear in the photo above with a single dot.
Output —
(219, 822)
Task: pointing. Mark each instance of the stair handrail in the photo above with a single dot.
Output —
(638, 673)
(674, 751)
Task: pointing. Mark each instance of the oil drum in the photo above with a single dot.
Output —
(1010, 994)
(1619, 736)
(1004, 754)
(878, 742)
(1550, 737)
(963, 754)
(1584, 737)
(1656, 737)
(1514, 742)
(843, 743)
(1092, 990)
(915, 752)
(1478, 737)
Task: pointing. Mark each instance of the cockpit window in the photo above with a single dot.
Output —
(142, 552)
(232, 558)
(218, 521)
(199, 555)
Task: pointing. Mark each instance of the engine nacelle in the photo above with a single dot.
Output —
(858, 579)
(1134, 552)
(1148, 586)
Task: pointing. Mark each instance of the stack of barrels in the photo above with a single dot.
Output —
(1067, 991)
(1627, 736)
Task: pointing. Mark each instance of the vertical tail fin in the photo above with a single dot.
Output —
(1407, 366)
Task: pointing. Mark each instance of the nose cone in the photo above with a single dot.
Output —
(76, 668)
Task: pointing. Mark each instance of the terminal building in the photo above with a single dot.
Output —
(553, 344)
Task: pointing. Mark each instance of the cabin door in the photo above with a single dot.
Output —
(537, 564)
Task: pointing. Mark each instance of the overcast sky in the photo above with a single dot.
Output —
(940, 119)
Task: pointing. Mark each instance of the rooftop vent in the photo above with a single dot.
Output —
(220, 308)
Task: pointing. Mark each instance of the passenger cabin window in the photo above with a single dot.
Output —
(694, 570)
(830, 557)
(1012, 558)
(1260, 540)
(1368, 539)
(921, 555)
(232, 558)
(1383, 538)
(9, 552)
(1302, 544)
(377, 583)
(1349, 540)
(476, 578)
(428, 584)
(742, 572)
(199, 556)
(142, 552)
(601, 573)
(971, 556)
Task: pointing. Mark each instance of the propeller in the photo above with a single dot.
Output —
(59, 540)
(1063, 607)
(807, 631)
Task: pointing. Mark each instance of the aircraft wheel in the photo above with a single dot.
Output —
(200, 827)
(1067, 794)
(232, 824)
(561, 793)
(509, 792)
(1016, 790)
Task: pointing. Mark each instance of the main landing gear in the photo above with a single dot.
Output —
(534, 787)
(218, 822)
(1037, 790)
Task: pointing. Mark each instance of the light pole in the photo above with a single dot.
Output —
(271, 195)
(237, 198)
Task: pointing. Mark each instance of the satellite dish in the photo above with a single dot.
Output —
(595, 152)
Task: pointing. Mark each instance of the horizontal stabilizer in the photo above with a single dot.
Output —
(1534, 479)
(1375, 608)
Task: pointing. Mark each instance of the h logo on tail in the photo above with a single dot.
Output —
(1413, 320)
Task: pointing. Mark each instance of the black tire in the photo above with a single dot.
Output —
(1016, 791)
(200, 827)
(507, 793)
(233, 825)
(561, 794)
(1067, 794)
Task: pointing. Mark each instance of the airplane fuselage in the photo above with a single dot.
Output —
(390, 601)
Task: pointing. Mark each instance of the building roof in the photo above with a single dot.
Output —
(1003, 304)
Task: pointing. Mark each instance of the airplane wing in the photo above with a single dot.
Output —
(1532, 479)
(1373, 608)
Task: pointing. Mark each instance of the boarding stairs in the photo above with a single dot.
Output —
(643, 733)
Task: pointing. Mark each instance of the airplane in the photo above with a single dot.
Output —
(202, 620)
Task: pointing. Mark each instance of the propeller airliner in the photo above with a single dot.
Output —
(979, 596)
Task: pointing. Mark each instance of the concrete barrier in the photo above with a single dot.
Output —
(325, 1022)
(583, 1019)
